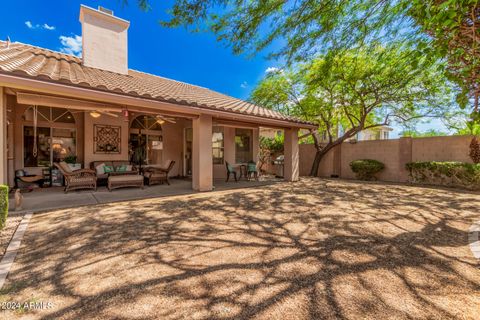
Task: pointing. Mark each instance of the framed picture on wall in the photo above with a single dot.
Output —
(106, 139)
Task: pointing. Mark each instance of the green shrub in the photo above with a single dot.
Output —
(3, 205)
(366, 169)
(450, 174)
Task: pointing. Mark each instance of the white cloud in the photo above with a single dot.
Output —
(71, 45)
(272, 70)
(46, 26)
(244, 84)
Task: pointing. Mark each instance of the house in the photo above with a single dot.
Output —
(95, 108)
(378, 133)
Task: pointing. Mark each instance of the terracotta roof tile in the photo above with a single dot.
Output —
(41, 63)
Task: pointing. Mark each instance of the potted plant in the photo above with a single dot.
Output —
(71, 160)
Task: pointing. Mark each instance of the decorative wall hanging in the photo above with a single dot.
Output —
(106, 139)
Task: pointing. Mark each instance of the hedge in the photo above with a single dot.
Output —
(450, 174)
(3, 205)
(366, 169)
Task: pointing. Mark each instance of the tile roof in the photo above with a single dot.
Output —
(44, 64)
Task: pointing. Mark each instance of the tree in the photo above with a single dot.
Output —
(445, 29)
(428, 133)
(454, 28)
(347, 92)
(267, 148)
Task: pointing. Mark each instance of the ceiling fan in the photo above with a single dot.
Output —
(162, 119)
(98, 113)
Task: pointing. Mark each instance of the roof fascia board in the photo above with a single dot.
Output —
(25, 83)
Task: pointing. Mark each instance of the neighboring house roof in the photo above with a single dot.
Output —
(43, 64)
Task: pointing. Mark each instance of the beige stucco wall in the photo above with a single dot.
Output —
(173, 140)
(307, 155)
(454, 148)
(394, 153)
(3, 137)
(385, 151)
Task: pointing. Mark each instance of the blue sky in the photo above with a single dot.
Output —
(172, 53)
(196, 58)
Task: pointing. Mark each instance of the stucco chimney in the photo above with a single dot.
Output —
(104, 40)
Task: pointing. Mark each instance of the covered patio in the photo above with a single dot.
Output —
(41, 200)
(94, 109)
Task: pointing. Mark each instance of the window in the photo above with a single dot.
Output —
(243, 145)
(217, 145)
(42, 159)
(54, 144)
(146, 140)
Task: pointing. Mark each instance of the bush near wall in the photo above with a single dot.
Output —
(3, 205)
(450, 174)
(366, 169)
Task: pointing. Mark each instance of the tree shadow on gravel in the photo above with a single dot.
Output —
(309, 250)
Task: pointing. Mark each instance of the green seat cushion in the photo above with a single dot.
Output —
(122, 168)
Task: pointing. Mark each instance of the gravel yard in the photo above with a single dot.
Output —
(307, 250)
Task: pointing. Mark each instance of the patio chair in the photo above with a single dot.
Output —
(230, 171)
(156, 175)
(252, 170)
(78, 179)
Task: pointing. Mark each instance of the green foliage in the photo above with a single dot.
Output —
(3, 205)
(273, 145)
(349, 91)
(303, 26)
(269, 147)
(428, 133)
(436, 29)
(366, 169)
(453, 174)
(357, 89)
(70, 159)
(453, 29)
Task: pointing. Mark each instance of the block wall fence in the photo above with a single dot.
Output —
(394, 153)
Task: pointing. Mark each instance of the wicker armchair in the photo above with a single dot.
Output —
(78, 179)
(158, 174)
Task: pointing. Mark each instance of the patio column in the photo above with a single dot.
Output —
(202, 163)
(3, 137)
(291, 164)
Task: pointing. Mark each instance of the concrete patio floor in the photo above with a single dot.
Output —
(314, 249)
(54, 198)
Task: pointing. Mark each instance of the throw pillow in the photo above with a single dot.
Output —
(129, 167)
(108, 169)
(100, 169)
(121, 168)
(65, 167)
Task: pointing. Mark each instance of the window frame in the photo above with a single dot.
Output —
(249, 153)
(50, 124)
(221, 149)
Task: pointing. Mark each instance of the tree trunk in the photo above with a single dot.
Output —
(319, 156)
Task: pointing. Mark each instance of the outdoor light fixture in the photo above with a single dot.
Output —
(95, 114)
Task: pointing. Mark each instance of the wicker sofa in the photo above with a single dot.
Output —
(102, 179)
